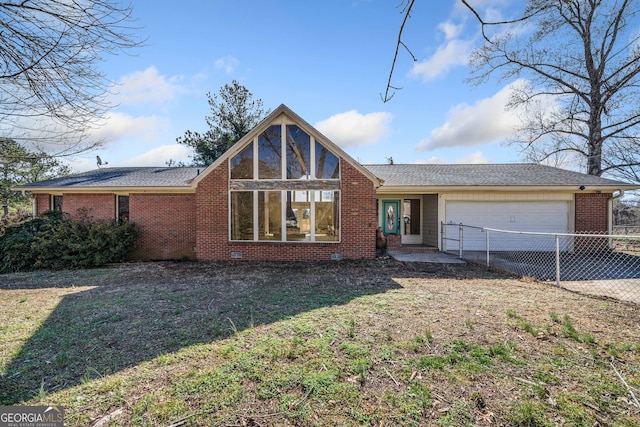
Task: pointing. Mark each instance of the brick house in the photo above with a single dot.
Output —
(286, 192)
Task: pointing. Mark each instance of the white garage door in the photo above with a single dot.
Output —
(548, 217)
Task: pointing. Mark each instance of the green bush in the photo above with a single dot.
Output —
(55, 241)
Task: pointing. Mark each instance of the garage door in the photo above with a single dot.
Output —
(548, 217)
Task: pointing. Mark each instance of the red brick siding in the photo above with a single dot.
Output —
(99, 206)
(358, 224)
(394, 242)
(167, 225)
(592, 212)
(592, 217)
(43, 203)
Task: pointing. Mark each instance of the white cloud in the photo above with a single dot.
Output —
(352, 129)
(450, 30)
(453, 53)
(118, 126)
(227, 63)
(476, 157)
(486, 122)
(160, 156)
(431, 161)
(148, 86)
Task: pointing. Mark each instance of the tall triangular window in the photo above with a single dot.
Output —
(285, 186)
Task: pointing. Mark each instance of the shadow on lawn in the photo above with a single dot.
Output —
(146, 310)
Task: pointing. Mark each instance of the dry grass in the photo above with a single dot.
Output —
(347, 343)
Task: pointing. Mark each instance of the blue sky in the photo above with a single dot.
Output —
(328, 61)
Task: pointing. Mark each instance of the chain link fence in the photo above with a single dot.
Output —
(596, 264)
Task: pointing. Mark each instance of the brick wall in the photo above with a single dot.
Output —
(592, 212)
(43, 202)
(358, 224)
(394, 242)
(98, 206)
(167, 225)
(592, 217)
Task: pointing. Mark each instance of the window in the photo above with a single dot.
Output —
(242, 164)
(56, 203)
(242, 215)
(298, 153)
(270, 154)
(284, 186)
(122, 208)
(327, 215)
(327, 164)
(269, 215)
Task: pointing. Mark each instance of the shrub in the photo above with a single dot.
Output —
(55, 241)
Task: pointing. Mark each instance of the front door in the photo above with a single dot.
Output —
(391, 216)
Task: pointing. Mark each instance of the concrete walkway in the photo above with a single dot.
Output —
(427, 256)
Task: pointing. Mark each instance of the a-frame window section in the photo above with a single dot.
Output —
(241, 164)
(305, 158)
(327, 163)
(270, 153)
(285, 188)
(298, 153)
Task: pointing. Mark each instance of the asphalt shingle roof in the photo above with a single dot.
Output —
(124, 177)
(398, 175)
(516, 174)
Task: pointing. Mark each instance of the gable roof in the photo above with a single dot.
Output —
(284, 113)
(515, 176)
(158, 179)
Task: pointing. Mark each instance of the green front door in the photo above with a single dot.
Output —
(391, 216)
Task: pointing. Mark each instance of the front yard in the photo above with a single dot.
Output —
(377, 343)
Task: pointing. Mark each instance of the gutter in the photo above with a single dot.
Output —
(408, 189)
(102, 190)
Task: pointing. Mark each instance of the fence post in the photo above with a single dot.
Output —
(487, 240)
(460, 236)
(557, 260)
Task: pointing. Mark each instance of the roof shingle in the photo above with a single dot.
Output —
(516, 174)
(123, 177)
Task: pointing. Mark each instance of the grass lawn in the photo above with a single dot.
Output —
(374, 343)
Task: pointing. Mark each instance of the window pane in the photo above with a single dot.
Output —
(298, 216)
(298, 152)
(57, 203)
(269, 215)
(327, 164)
(123, 208)
(270, 153)
(327, 216)
(242, 215)
(242, 164)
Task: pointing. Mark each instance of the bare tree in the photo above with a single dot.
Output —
(51, 89)
(579, 61)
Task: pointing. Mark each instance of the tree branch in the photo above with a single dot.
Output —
(407, 15)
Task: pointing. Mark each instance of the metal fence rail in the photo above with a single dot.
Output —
(597, 264)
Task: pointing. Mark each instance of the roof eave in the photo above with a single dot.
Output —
(421, 189)
(104, 190)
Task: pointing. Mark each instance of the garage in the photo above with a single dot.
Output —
(538, 216)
